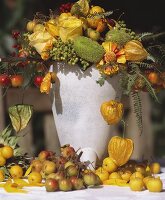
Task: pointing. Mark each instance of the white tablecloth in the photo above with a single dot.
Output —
(102, 193)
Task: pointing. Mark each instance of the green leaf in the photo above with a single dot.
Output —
(150, 89)
(20, 115)
(101, 81)
(6, 133)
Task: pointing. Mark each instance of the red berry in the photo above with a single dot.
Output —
(5, 80)
(38, 80)
(111, 22)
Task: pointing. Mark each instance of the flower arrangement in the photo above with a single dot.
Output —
(85, 35)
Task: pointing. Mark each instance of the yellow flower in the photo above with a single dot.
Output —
(112, 111)
(113, 53)
(46, 49)
(46, 84)
(42, 42)
(70, 28)
(52, 28)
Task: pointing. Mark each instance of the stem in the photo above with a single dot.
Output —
(19, 59)
(153, 37)
(124, 127)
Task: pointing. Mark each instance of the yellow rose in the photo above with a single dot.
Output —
(69, 28)
(42, 41)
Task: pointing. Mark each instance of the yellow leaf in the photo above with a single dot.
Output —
(13, 188)
(118, 182)
(20, 116)
(2, 185)
(21, 182)
(28, 171)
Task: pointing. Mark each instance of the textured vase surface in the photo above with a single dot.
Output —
(76, 109)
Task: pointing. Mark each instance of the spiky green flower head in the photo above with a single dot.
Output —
(88, 49)
(119, 36)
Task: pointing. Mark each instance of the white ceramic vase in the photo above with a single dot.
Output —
(76, 109)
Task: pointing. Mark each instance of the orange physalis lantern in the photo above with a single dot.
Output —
(120, 149)
(112, 111)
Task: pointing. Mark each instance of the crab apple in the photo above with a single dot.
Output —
(65, 185)
(115, 175)
(103, 174)
(7, 152)
(17, 80)
(140, 168)
(36, 165)
(153, 77)
(109, 164)
(154, 185)
(72, 170)
(126, 175)
(5, 80)
(77, 183)
(43, 155)
(48, 167)
(69, 163)
(67, 151)
(34, 177)
(155, 168)
(57, 176)
(51, 185)
(38, 80)
(60, 161)
(136, 184)
(90, 178)
(16, 171)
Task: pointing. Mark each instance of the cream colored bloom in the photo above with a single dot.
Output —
(42, 41)
(70, 28)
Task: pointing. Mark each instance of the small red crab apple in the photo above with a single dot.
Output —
(43, 155)
(5, 80)
(38, 80)
(51, 185)
(67, 151)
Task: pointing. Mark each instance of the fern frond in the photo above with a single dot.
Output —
(158, 52)
(142, 65)
(150, 89)
(142, 35)
(131, 82)
(137, 107)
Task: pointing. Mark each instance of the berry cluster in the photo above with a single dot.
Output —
(65, 8)
(64, 51)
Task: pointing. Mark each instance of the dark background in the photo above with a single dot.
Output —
(140, 15)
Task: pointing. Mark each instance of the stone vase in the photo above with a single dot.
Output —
(76, 109)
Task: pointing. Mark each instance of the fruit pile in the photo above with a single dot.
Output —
(64, 172)
(117, 169)
(136, 175)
